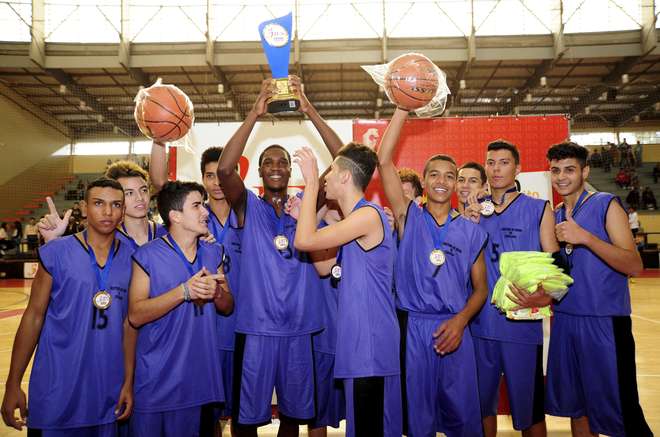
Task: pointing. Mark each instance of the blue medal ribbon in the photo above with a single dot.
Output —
(510, 190)
(580, 201)
(215, 223)
(101, 273)
(439, 236)
(151, 233)
(192, 268)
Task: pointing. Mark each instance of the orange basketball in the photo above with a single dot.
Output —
(411, 81)
(164, 113)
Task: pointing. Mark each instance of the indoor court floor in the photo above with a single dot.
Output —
(14, 295)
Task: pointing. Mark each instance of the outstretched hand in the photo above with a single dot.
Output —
(307, 162)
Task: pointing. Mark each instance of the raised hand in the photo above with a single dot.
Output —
(268, 89)
(52, 225)
(299, 90)
(292, 206)
(307, 162)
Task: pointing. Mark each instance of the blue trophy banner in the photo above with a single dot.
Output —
(276, 40)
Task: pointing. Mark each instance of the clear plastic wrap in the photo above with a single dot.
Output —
(382, 72)
(165, 125)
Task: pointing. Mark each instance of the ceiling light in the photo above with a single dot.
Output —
(221, 88)
(544, 81)
(625, 78)
(379, 102)
(62, 89)
(461, 84)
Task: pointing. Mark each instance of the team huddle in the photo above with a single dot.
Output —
(344, 309)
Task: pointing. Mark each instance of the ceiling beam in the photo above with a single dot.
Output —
(638, 108)
(129, 129)
(37, 33)
(608, 81)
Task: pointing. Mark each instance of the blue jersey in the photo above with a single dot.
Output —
(326, 340)
(156, 230)
(176, 359)
(367, 328)
(425, 288)
(230, 238)
(517, 228)
(78, 368)
(276, 296)
(598, 290)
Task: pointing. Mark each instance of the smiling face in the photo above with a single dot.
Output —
(501, 169)
(136, 196)
(105, 209)
(439, 180)
(275, 169)
(194, 216)
(567, 176)
(468, 182)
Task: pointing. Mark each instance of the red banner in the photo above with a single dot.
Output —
(465, 139)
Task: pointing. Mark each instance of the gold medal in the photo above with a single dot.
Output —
(487, 208)
(437, 257)
(568, 248)
(281, 242)
(102, 300)
(336, 271)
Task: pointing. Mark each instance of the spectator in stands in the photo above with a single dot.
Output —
(648, 199)
(633, 198)
(73, 227)
(596, 159)
(622, 179)
(656, 172)
(31, 234)
(607, 158)
(616, 155)
(638, 153)
(633, 220)
(76, 212)
(3, 232)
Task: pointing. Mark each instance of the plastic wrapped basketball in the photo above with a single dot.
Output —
(163, 113)
(412, 82)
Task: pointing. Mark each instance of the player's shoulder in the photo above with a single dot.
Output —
(468, 228)
(529, 200)
(151, 246)
(160, 230)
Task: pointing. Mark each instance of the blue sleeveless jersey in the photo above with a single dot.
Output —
(367, 328)
(517, 228)
(78, 368)
(176, 359)
(277, 297)
(156, 230)
(421, 286)
(231, 240)
(326, 340)
(598, 290)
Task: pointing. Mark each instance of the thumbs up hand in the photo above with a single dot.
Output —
(570, 232)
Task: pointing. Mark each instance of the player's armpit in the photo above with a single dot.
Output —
(547, 231)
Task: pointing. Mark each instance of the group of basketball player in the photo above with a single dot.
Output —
(346, 313)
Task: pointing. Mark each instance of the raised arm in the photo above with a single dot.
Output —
(388, 173)
(329, 136)
(231, 183)
(24, 344)
(158, 165)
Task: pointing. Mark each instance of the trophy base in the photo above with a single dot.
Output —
(287, 105)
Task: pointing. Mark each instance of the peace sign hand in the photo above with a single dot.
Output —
(52, 225)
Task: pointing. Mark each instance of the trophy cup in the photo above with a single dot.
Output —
(276, 41)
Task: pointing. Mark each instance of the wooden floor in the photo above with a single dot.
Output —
(646, 326)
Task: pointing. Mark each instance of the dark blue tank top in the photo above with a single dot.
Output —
(598, 290)
(78, 367)
(421, 286)
(517, 228)
(367, 328)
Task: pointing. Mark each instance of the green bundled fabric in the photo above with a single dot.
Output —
(527, 270)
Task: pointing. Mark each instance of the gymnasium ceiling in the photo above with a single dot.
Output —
(602, 80)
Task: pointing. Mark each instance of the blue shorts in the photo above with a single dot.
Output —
(189, 422)
(330, 400)
(262, 363)
(522, 366)
(107, 430)
(227, 370)
(441, 392)
(591, 372)
(373, 406)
